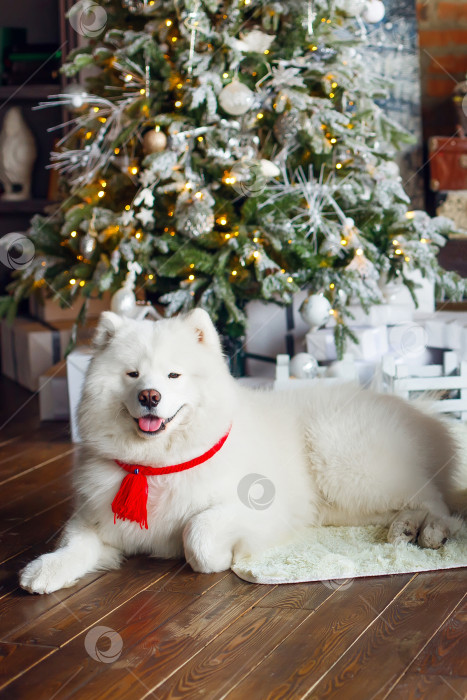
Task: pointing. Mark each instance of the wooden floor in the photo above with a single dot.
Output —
(176, 634)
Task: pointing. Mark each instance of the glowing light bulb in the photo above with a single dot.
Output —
(260, 115)
(82, 283)
(422, 240)
(134, 170)
(234, 272)
(333, 140)
(409, 214)
(398, 251)
(198, 195)
(73, 234)
(116, 151)
(225, 75)
(138, 234)
(127, 207)
(332, 285)
(289, 280)
(101, 193)
(95, 109)
(178, 104)
(359, 251)
(334, 85)
(191, 277)
(338, 166)
(128, 77)
(73, 281)
(150, 277)
(256, 254)
(168, 23)
(344, 241)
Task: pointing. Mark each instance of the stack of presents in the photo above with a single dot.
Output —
(401, 349)
(34, 350)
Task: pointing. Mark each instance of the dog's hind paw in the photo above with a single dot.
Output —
(45, 574)
(433, 533)
(403, 530)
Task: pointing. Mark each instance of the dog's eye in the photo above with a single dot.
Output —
(174, 375)
(132, 374)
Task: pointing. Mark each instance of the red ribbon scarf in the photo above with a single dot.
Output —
(131, 500)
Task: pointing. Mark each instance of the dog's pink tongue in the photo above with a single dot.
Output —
(149, 423)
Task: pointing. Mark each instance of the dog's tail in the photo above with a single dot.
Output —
(457, 498)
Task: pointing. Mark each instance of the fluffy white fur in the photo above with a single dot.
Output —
(335, 455)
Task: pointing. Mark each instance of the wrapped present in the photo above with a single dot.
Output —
(77, 364)
(53, 393)
(272, 330)
(372, 343)
(30, 348)
(48, 310)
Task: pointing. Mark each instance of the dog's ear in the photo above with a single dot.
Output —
(108, 325)
(200, 321)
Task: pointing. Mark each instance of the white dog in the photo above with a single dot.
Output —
(231, 470)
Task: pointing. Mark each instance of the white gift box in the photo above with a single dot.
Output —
(53, 393)
(77, 364)
(372, 343)
(381, 315)
(273, 330)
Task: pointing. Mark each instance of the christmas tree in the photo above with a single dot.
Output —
(236, 150)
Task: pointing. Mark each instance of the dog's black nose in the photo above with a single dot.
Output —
(149, 398)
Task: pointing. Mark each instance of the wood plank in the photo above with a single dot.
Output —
(44, 528)
(57, 624)
(386, 649)
(23, 466)
(35, 501)
(157, 628)
(15, 659)
(289, 671)
(152, 652)
(241, 647)
(246, 643)
(307, 596)
(418, 687)
(446, 653)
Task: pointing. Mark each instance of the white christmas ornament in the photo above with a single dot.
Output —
(236, 98)
(374, 12)
(315, 310)
(255, 42)
(303, 366)
(268, 168)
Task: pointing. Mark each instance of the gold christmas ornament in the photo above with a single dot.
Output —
(154, 141)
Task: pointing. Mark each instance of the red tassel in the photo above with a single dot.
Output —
(130, 503)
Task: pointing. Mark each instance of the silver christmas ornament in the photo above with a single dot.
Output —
(303, 366)
(236, 98)
(315, 310)
(154, 141)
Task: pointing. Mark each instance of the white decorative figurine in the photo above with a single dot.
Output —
(124, 302)
(17, 155)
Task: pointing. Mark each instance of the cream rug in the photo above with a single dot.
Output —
(330, 553)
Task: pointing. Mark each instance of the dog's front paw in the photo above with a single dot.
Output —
(205, 553)
(45, 574)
